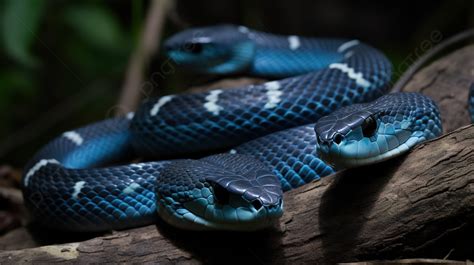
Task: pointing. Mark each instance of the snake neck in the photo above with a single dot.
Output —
(279, 63)
(281, 56)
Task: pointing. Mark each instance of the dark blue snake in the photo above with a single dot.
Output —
(74, 182)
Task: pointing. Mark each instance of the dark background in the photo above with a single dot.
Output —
(63, 62)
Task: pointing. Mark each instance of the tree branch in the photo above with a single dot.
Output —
(146, 48)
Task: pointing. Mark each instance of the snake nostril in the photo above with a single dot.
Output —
(257, 204)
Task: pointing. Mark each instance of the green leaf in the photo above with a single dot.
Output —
(21, 19)
(14, 84)
(96, 26)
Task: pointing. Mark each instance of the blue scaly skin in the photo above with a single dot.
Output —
(69, 184)
(198, 122)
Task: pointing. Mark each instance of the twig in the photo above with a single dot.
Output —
(140, 58)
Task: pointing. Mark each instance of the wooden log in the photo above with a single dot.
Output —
(447, 81)
(411, 261)
(407, 207)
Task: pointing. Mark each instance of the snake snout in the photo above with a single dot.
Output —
(276, 205)
(336, 139)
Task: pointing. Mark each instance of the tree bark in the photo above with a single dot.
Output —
(407, 207)
(411, 261)
(447, 81)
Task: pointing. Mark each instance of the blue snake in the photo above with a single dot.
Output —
(326, 102)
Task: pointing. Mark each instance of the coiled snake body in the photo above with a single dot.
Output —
(270, 128)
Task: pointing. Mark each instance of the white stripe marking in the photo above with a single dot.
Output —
(161, 102)
(202, 40)
(243, 29)
(77, 188)
(233, 151)
(273, 94)
(347, 45)
(348, 54)
(130, 115)
(74, 137)
(138, 166)
(211, 104)
(36, 167)
(131, 188)
(294, 42)
(351, 73)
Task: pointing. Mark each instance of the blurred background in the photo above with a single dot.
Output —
(68, 63)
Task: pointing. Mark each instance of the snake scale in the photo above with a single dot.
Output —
(275, 135)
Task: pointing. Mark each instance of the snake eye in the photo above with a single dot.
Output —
(221, 195)
(338, 138)
(194, 47)
(369, 126)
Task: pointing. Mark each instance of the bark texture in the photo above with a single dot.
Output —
(447, 81)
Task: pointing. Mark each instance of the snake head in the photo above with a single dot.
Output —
(363, 134)
(221, 192)
(222, 49)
